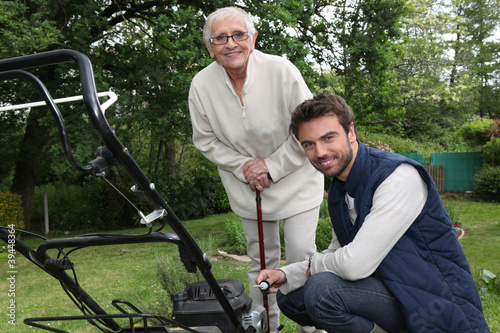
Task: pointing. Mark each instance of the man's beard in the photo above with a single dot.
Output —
(344, 159)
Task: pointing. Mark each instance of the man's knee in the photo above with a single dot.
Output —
(292, 306)
(323, 294)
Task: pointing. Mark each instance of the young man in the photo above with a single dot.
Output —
(394, 263)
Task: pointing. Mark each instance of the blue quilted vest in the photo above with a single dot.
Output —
(427, 270)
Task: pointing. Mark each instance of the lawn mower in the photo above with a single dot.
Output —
(210, 306)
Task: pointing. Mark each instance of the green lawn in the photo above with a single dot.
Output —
(482, 247)
(130, 271)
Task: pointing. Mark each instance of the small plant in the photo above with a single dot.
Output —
(174, 276)
(491, 151)
(490, 280)
(323, 209)
(488, 183)
(450, 209)
(236, 240)
(323, 233)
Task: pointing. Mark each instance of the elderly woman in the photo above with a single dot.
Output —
(240, 109)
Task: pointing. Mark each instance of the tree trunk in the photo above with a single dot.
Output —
(25, 175)
(170, 156)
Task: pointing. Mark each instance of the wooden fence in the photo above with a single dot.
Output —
(437, 174)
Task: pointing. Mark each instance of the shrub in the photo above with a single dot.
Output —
(323, 233)
(452, 212)
(173, 278)
(194, 195)
(11, 210)
(235, 235)
(323, 209)
(491, 151)
(93, 206)
(477, 131)
(495, 130)
(399, 145)
(104, 208)
(488, 183)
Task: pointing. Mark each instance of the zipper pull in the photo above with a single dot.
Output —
(243, 114)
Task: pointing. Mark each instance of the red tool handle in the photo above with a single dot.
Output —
(261, 248)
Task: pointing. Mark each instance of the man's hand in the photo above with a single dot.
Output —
(275, 277)
(255, 172)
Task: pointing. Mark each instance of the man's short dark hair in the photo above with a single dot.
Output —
(322, 105)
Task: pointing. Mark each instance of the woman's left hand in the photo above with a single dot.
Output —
(255, 172)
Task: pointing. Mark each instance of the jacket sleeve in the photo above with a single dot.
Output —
(204, 139)
(290, 156)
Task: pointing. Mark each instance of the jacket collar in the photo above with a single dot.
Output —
(353, 179)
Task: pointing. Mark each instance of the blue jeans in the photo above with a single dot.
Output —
(337, 305)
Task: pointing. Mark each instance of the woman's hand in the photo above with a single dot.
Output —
(255, 172)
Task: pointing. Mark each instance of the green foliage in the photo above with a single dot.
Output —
(194, 195)
(323, 209)
(490, 280)
(396, 83)
(491, 151)
(93, 206)
(235, 236)
(25, 27)
(323, 233)
(487, 182)
(173, 277)
(133, 270)
(495, 130)
(11, 210)
(477, 131)
(452, 212)
(397, 144)
(359, 46)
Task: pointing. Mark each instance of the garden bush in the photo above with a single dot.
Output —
(477, 131)
(323, 234)
(11, 210)
(92, 206)
(401, 145)
(235, 236)
(194, 195)
(491, 151)
(488, 183)
(495, 130)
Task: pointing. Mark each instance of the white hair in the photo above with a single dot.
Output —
(223, 13)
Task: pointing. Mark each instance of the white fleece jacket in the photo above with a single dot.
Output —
(231, 134)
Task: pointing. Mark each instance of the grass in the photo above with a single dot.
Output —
(482, 247)
(130, 272)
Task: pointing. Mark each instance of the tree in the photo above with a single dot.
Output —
(24, 30)
(55, 24)
(480, 20)
(147, 51)
(357, 41)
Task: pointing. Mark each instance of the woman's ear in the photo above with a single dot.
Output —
(254, 39)
(212, 54)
